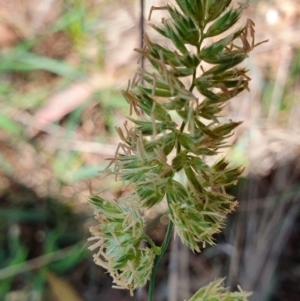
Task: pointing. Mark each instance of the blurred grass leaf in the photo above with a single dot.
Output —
(18, 215)
(111, 98)
(8, 125)
(85, 172)
(74, 120)
(21, 99)
(18, 255)
(25, 61)
(73, 20)
(72, 260)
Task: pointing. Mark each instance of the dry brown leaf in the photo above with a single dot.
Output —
(62, 289)
(64, 102)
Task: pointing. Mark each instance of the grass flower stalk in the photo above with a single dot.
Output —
(155, 147)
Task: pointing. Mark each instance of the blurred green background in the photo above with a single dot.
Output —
(62, 65)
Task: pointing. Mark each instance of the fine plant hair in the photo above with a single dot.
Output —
(173, 129)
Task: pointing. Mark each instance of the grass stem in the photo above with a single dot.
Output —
(157, 260)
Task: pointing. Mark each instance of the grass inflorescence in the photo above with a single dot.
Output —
(155, 147)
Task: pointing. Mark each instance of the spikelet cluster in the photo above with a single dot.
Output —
(173, 128)
(119, 240)
(215, 291)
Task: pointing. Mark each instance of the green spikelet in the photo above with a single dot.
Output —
(216, 292)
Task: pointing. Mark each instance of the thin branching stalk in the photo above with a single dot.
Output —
(155, 147)
(157, 260)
